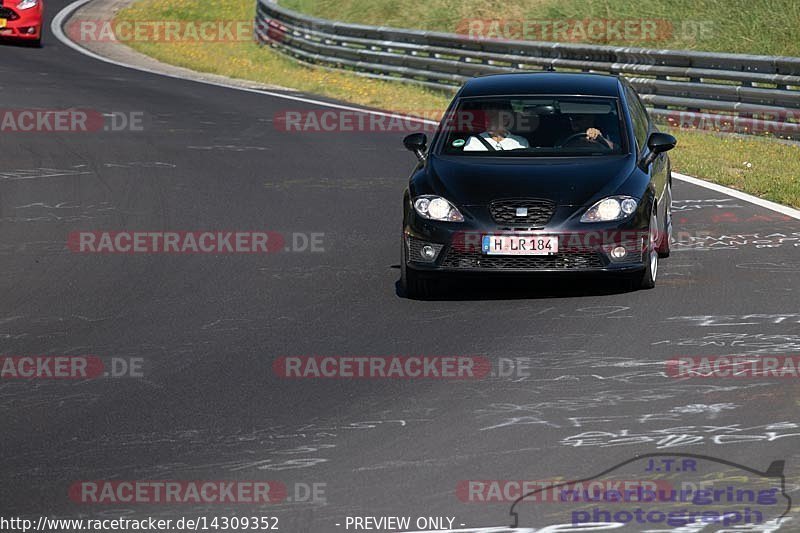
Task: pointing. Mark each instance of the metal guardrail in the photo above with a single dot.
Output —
(731, 92)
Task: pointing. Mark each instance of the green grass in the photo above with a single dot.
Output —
(773, 173)
(769, 27)
(775, 166)
(247, 60)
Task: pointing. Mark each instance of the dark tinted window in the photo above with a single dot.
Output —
(639, 118)
(532, 126)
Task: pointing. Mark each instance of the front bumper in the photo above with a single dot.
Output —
(582, 247)
(21, 24)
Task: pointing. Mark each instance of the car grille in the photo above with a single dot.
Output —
(6, 13)
(562, 261)
(539, 211)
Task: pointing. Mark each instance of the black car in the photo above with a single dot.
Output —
(539, 172)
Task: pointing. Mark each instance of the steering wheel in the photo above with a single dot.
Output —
(583, 137)
(574, 137)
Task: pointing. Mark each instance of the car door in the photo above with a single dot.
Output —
(643, 127)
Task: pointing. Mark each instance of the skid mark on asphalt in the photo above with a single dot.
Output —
(705, 241)
(711, 224)
(755, 319)
(40, 173)
(771, 267)
(686, 436)
(140, 164)
(271, 448)
(744, 343)
(61, 212)
(680, 206)
(229, 148)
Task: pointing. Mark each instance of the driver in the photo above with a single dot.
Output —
(496, 137)
(584, 123)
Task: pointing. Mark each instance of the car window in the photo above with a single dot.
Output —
(532, 126)
(638, 116)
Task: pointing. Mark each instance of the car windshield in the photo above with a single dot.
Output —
(531, 126)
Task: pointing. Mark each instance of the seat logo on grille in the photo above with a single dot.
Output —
(522, 211)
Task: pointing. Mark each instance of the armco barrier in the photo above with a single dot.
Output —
(741, 93)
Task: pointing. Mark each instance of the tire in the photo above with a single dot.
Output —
(647, 279)
(666, 236)
(415, 285)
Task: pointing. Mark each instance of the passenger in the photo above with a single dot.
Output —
(497, 137)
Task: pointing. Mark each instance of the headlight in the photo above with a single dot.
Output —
(611, 208)
(437, 208)
(27, 4)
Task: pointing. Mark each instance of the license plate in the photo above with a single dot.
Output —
(519, 245)
(3, 23)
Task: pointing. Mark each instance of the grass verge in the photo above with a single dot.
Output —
(773, 171)
(247, 60)
(761, 166)
(770, 27)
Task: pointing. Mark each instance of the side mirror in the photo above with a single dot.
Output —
(658, 143)
(661, 142)
(417, 143)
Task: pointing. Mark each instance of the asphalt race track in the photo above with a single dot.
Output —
(207, 328)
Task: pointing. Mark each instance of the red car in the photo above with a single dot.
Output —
(22, 19)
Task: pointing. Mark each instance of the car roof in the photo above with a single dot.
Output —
(542, 83)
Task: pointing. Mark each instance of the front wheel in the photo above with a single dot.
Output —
(666, 237)
(647, 279)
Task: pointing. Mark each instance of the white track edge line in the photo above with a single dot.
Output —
(766, 204)
(57, 28)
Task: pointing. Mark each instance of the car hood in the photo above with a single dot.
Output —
(567, 181)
